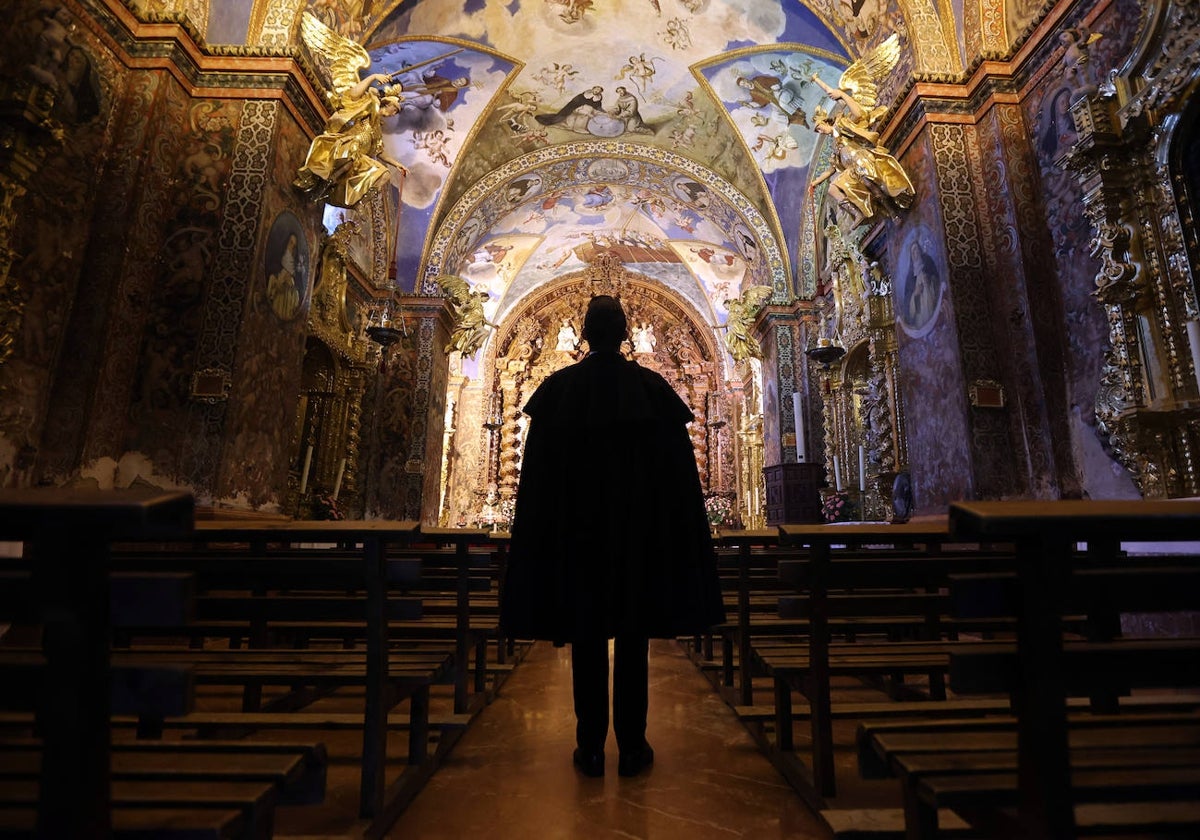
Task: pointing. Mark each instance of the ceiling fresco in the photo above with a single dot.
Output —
(512, 111)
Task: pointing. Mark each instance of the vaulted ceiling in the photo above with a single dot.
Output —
(691, 161)
(691, 166)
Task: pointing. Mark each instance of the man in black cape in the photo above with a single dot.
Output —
(610, 538)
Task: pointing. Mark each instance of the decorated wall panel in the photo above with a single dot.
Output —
(1050, 135)
(265, 376)
(933, 383)
(48, 55)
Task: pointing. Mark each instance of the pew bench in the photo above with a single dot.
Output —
(968, 769)
(881, 587)
(68, 534)
(250, 778)
(1044, 773)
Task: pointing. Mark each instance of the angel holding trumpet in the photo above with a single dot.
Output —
(865, 176)
(347, 160)
(743, 310)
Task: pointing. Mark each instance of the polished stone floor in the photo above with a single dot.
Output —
(510, 776)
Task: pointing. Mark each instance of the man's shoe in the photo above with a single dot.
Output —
(589, 763)
(632, 763)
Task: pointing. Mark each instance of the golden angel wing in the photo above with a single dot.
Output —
(455, 287)
(344, 57)
(755, 296)
(861, 79)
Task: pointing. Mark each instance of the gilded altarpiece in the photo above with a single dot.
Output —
(339, 362)
(483, 452)
(863, 408)
(1127, 161)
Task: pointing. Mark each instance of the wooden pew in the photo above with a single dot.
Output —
(740, 547)
(835, 591)
(1049, 767)
(423, 573)
(385, 677)
(465, 638)
(68, 534)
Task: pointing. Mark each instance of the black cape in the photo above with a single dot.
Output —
(609, 535)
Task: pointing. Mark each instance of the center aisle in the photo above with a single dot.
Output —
(511, 777)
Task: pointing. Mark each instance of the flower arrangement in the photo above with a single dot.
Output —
(837, 507)
(719, 510)
(326, 507)
(497, 516)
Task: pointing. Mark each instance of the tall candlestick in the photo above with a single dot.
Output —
(798, 415)
(862, 470)
(337, 485)
(304, 472)
(837, 474)
(1193, 334)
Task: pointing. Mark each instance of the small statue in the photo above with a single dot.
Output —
(644, 340)
(470, 323)
(347, 160)
(865, 175)
(1078, 41)
(742, 345)
(568, 339)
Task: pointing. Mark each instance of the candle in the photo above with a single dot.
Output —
(304, 472)
(337, 485)
(1193, 334)
(837, 474)
(862, 470)
(798, 416)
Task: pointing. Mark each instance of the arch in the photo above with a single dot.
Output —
(483, 467)
(456, 232)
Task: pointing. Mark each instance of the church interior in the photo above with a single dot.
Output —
(304, 261)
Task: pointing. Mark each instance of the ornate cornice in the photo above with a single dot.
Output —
(987, 81)
(170, 42)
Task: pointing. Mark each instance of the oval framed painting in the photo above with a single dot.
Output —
(286, 263)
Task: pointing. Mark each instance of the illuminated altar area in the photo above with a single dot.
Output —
(485, 428)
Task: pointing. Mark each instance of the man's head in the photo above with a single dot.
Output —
(604, 325)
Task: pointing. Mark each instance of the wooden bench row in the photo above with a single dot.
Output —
(291, 583)
(882, 604)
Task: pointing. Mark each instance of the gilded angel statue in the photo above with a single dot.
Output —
(347, 160)
(470, 323)
(742, 311)
(865, 175)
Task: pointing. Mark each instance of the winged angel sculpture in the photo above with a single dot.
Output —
(742, 311)
(865, 175)
(470, 323)
(347, 160)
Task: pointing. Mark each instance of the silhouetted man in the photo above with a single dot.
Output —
(610, 538)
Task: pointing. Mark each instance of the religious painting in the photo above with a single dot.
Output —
(919, 286)
(1056, 129)
(287, 266)
(859, 18)
(770, 97)
(692, 192)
